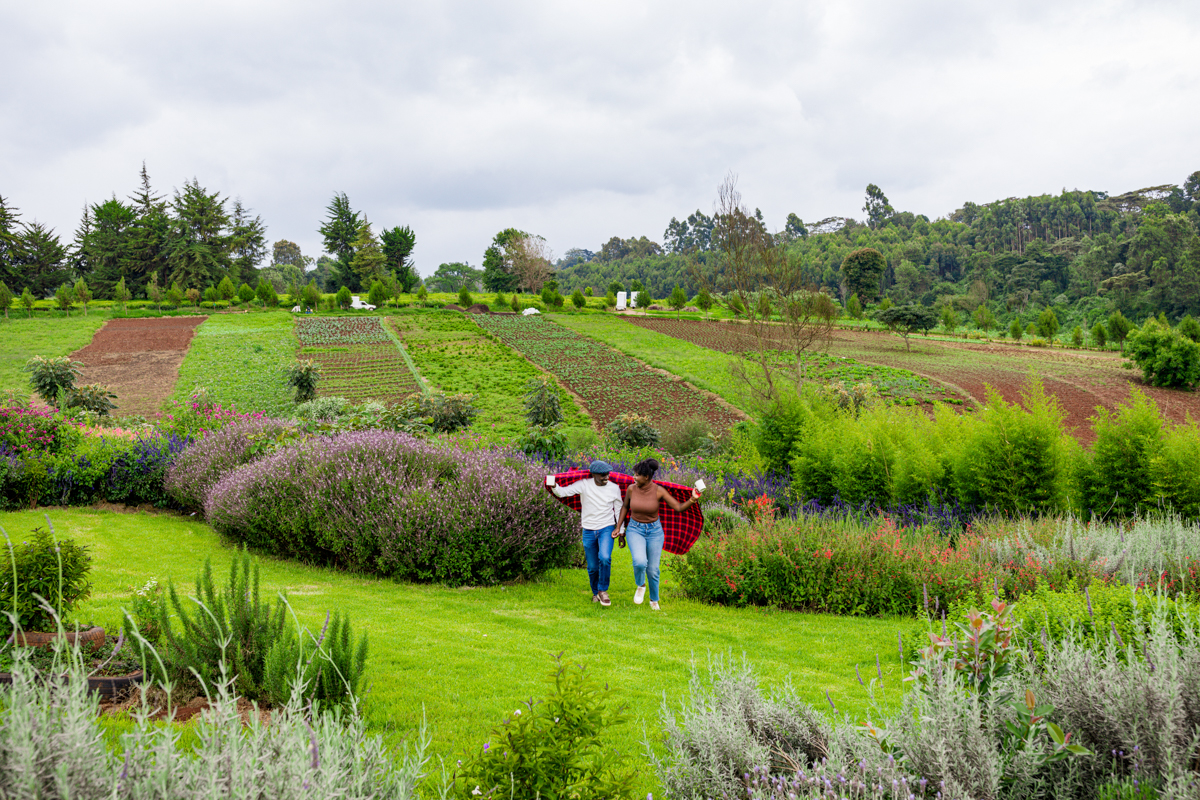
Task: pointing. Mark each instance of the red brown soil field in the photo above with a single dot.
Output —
(138, 360)
(1080, 379)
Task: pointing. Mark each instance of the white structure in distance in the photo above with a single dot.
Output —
(621, 300)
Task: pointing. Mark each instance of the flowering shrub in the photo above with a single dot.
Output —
(25, 430)
(838, 566)
(393, 504)
(199, 467)
(199, 416)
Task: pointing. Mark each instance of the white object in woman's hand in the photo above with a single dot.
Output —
(549, 480)
(700, 486)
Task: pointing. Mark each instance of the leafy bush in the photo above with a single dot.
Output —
(322, 408)
(1014, 459)
(327, 668)
(53, 743)
(303, 376)
(553, 748)
(632, 430)
(690, 436)
(1101, 614)
(201, 465)
(1165, 357)
(414, 509)
(544, 442)
(51, 376)
(231, 624)
(542, 405)
(57, 571)
(92, 397)
(28, 430)
(1119, 478)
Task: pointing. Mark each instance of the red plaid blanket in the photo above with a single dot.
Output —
(682, 530)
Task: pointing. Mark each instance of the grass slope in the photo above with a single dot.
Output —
(239, 358)
(456, 356)
(700, 366)
(465, 657)
(21, 338)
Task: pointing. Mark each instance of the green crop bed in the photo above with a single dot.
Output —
(239, 359)
(609, 382)
(458, 357)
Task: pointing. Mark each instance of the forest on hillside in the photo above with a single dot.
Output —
(1083, 253)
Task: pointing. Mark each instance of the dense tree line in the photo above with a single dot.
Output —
(1085, 254)
(195, 240)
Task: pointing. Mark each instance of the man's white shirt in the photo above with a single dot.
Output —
(600, 504)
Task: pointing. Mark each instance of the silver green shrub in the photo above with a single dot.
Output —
(1136, 708)
(52, 746)
(322, 408)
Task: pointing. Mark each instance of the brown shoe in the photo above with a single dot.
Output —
(604, 601)
(595, 598)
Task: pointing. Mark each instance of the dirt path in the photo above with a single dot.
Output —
(138, 360)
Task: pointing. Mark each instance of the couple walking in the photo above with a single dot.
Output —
(603, 516)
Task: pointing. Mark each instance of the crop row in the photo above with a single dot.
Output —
(318, 331)
(363, 372)
(608, 381)
(898, 385)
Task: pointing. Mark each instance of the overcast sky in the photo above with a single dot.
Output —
(583, 121)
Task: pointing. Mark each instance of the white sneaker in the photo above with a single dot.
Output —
(654, 605)
(639, 595)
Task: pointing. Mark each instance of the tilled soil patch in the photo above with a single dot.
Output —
(138, 360)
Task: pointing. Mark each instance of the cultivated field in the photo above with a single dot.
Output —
(239, 359)
(609, 382)
(1082, 380)
(897, 385)
(138, 359)
(359, 360)
(456, 356)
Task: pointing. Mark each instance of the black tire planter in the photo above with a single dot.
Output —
(105, 685)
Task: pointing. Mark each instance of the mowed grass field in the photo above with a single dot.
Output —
(23, 338)
(463, 658)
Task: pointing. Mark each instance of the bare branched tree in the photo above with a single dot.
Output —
(786, 316)
(531, 258)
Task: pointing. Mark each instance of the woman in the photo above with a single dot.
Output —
(644, 531)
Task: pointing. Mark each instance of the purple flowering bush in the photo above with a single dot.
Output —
(395, 505)
(199, 467)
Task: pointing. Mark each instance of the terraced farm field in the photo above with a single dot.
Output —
(1082, 380)
(359, 360)
(608, 381)
(899, 386)
(456, 356)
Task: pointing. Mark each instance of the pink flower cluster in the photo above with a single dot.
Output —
(23, 429)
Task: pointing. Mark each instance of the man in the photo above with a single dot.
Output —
(600, 500)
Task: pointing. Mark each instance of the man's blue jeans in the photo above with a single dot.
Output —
(598, 547)
(646, 541)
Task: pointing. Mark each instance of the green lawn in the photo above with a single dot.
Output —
(456, 356)
(238, 358)
(21, 338)
(700, 366)
(465, 657)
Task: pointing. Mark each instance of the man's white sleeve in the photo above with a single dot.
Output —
(567, 491)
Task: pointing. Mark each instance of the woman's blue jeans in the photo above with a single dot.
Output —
(645, 545)
(598, 547)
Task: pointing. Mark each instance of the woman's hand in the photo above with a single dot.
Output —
(617, 532)
(695, 495)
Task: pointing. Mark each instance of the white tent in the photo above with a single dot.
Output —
(529, 311)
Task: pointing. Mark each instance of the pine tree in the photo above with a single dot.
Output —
(247, 243)
(145, 242)
(198, 248)
(6, 298)
(340, 231)
(10, 229)
(42, 259)
(122, 294)
(83, 294)
(368, 260)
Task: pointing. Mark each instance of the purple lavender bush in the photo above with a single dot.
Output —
(199, 467)
(395, 505)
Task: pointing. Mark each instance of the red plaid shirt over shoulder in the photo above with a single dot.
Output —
(681, 529)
